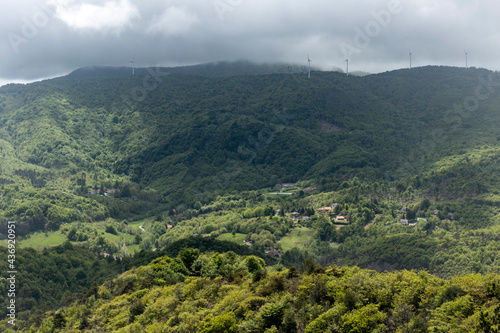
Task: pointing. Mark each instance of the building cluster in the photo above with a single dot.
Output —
(284, 186)
(329, 210)
(106, 192)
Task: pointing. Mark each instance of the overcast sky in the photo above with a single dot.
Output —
(47, 38)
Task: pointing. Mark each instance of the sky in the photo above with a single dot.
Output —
(48, 38)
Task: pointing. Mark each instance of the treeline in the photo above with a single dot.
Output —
(215, 292)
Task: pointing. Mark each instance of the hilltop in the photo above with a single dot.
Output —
(215, 69)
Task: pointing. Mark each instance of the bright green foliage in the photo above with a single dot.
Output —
(219, 324)
(273, 311)
(365, 319)
(253, 264)
(400, 301)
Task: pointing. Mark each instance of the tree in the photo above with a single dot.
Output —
(136, 310)
(84, 322)
(188, 257)
(137, 239)
(363, 320)
(310, 266)
(289, 322)
(59, 320)
(269, 211)
(325, 231)
(292, 273)
(67, 298)
(259, 274)
(197, 205)
(425, 204)
(272, 312)
(125, 192)
(110, 229)
(253, 263)
(224, 323)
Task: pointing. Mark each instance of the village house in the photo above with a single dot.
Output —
(324, 210)
(285, 185)
(340, 218)
(107, 255)
(403, 221)
(295, 216)
(273, 252)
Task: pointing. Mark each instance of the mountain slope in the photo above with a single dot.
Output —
(189, 137)
(228, 293)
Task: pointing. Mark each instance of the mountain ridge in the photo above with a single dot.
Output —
(215, 69)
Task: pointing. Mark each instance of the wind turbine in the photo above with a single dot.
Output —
(309, 62)
(466, 56)
(133, 65)
(410, 58)
(347, 66)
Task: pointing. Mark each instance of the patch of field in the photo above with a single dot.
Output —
(41, 240)
(133, 248)
(299, 237)
(120, 238)
(135, 224)
(237, 238)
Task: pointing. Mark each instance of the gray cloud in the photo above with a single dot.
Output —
(45, 38)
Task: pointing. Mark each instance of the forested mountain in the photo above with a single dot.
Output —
(391, 171)
(187, 136)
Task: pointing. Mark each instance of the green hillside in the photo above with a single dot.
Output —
(187, 137)
(216, 292)
(169, 140)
